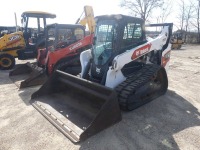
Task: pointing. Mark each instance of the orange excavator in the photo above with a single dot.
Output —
(63, 45)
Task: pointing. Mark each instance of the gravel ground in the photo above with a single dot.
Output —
(171, 121)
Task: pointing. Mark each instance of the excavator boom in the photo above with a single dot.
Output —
(88, 19)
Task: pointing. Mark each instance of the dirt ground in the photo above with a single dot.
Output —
(169, 122)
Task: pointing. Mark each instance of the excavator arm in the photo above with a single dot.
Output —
(88, 19)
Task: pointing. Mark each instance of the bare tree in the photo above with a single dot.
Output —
(185, 14)
(143, 8)
(181, 14)
(188, 16)
(196, 19)
(163, 11)
(166, 10)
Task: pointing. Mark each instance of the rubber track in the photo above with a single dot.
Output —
(133, 82)
(66, 62)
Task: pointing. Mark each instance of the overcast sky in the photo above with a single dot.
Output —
(67, 11)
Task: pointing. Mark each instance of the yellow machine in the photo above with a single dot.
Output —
(9, 45)
(23, 44)
(88, 19)
(177, 40)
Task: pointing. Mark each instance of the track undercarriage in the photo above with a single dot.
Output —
(141, 87)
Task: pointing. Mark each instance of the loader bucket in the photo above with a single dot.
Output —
(26, 75)
(77, 107)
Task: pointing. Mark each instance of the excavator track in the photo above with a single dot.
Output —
(142, 87)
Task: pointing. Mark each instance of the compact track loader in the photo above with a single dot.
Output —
(24, 44)
(122, 70)
(63, 45)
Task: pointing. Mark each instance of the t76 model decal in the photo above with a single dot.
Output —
(141, 51)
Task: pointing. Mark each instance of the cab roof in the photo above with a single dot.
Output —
(38, 14)
(119, 17)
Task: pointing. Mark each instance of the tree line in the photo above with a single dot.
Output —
(186, 14)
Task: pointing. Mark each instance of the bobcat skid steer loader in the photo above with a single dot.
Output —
(122, 70)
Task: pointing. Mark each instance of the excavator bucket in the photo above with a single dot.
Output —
(77, 107)
(26, 75)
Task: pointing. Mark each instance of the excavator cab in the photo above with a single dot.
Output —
(33, 27)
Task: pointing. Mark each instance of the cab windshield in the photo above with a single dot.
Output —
(105, 36)
(63, 37)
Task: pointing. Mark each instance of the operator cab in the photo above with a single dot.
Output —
(114, 35)
(62, 35)
(33, 24)
(33, 27)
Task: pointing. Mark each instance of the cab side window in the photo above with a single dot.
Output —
(132, 34)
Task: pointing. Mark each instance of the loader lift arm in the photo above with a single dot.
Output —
(154, 45)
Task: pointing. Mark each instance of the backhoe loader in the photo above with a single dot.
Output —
(23, 44)
(177, 40)
(123, 69)
(64, 43)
